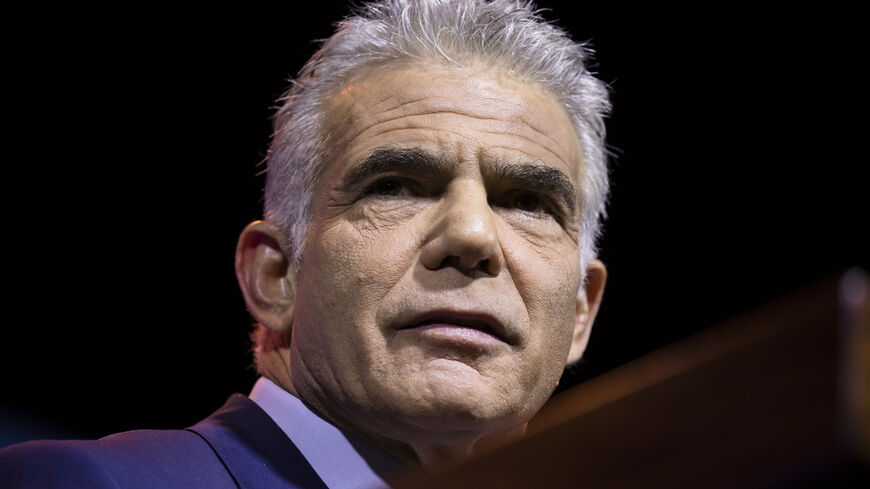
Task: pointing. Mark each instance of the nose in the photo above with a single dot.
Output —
(464, 236)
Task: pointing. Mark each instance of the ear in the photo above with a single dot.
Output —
(588, 301)
(265, 274)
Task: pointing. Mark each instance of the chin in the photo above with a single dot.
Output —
(462, 400)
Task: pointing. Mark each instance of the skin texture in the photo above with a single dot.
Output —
(436, 303)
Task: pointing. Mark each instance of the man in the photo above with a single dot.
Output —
(426, 268)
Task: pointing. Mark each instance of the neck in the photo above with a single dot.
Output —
(440, 456)
(426, 448)
(273, 359)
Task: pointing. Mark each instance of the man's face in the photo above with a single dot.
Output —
(438, 287)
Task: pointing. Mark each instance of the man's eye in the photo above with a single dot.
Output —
(388, 186)
(531, 203)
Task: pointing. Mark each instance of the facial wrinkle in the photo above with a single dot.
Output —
(531, 140)
(370, 127)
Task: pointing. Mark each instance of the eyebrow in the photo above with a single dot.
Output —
(401, 160)
(527, 176)
(539, 178)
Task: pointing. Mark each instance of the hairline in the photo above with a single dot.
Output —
(506, 34)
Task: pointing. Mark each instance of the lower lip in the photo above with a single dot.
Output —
(457, 335)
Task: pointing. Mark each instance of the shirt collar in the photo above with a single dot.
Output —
(342, 460)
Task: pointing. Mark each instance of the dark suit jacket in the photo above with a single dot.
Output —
(238, 446)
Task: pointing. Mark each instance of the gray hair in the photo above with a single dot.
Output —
(507, 34)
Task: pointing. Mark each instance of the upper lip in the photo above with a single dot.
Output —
(471, 319)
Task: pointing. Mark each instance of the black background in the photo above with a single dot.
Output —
(133, 147)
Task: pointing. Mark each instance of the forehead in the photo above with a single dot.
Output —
(466, 114)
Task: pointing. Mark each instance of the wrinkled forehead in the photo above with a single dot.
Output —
(377, 107)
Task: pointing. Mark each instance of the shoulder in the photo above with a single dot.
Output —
(51, 464)
(144, 458)
(237, 446)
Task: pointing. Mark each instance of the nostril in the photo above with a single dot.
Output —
(449, 261)
(453, 261)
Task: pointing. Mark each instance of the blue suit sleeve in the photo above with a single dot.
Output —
(50, 465)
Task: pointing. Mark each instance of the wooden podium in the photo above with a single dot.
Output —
(777, 397)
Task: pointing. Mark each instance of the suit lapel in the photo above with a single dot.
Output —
(255, 451)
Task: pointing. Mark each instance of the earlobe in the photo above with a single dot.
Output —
(265, 275)
(588, 301)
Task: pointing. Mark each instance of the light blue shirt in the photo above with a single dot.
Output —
(342, 460)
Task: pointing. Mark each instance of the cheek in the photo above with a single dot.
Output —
(546, 272)
(378, 218)
(551, 314)
(357, 264)
(547, 279)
